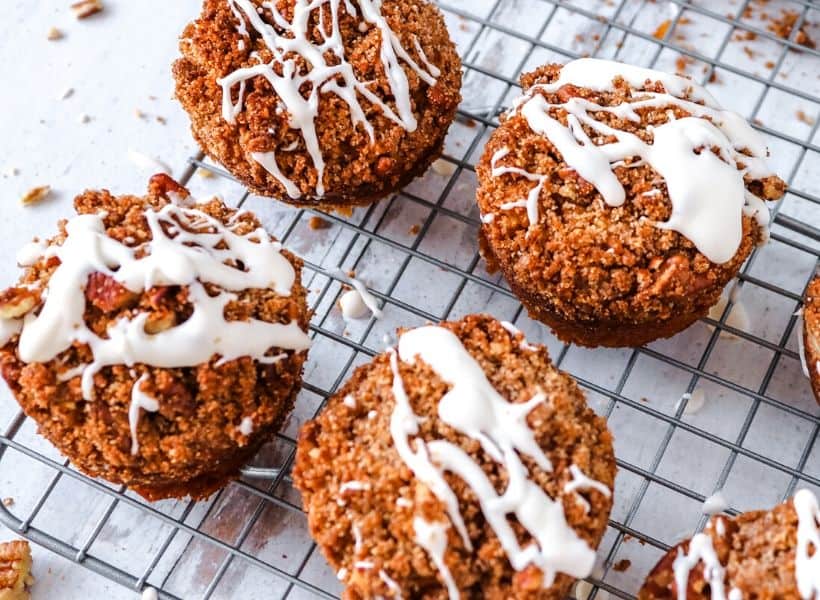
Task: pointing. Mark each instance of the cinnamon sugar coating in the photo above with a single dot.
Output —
(757, 550)
(596, 274)
(192, 445)
(349, 443)
(358, 172)
(811, 334)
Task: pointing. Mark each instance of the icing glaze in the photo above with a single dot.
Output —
(580, 481)
(475, 409)
(187, 248)
(433, 538)
(701, 550)
(139, 401)
(807, 559)
(391, 584)
(693, 179)
(351, 304)
(290, 41)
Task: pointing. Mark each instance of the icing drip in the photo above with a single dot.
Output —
(474, 408)
(433, 538)
(700, 550)
(391, 584)
(289, 40)
(139, 400)
(807, 560)
(680, 152)
(8, 329)
(580, 481)
(188, 247)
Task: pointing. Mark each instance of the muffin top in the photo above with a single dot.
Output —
(614, 191)
(319, 100)
(811, 335)
(147, 301)
(462, 462)
(757, 555)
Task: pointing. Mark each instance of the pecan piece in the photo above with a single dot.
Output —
(15, 570)
(17, 302)
(85, 8)
(107, 294)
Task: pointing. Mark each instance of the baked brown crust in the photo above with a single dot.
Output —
(757, 550)
(15, 570)
(353, 443)
(811, 334)
(358, 172)
(192, 446)
(598, 275)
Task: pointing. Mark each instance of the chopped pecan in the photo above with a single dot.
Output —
(15, 570)
(17, 302)
(108, 294)
(162, 185)
(159, 322)
(85, 8)
(567, 92)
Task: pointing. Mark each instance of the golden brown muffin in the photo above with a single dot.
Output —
(304, 125)
(401, 474)
(15, 570)
(158, 343)
(760, 555)
(811, 335)
(604, 262)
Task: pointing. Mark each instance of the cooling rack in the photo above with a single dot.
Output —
(723, 406)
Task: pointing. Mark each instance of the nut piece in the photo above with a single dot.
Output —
(35, 195)
(54, 34)
(16, 302)
(107, 294)
(159, 322)
(15, 570)
(85, 8)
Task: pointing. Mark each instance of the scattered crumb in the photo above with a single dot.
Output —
(35, 195)
(54, 34)
(769, 64)
(414, 230)
(783, 25)
(84, 118)
(11, 172)
(622, 565)
(749, 52)
(682, 62)
(805, 118)
(66, 94)
(85, 8)
(662, 29)
(444, 168)
(317, 223)
(139, 114)
(205, 173)
(161, 120)
(8, 501)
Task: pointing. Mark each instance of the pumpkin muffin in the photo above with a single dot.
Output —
(326, 104)
(811, 335)
(460, 464)
(156, 341)
(618, 202)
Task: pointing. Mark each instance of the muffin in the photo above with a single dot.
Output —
(618, 202)
(461, 464)
(761, 554)
(157, 342)
(325, 104)
(811, 335)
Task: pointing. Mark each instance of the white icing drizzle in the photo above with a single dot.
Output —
(246, 426)
(30, 253)
(71, 373)
(807, 559)
(433, 538)
(474, 408)
(361, 290)
(404, 503)
(391, 584)
(353, 306)
(531, 203)
(700, 550)
(353, 486)
(188, 247)
(735, 594)
(357, 538)
(349, 401)
(289, 40)
(514, 331)
(342, 574)
(580, 481)
(707, 192)
(139, 400)
(715, 504)
(8, 329)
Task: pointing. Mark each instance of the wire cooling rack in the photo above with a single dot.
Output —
(723, 406)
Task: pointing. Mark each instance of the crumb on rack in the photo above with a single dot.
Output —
(317, 223)
(161, 120)
(8, 501)
(783, 25)
(84, 118)
(86, 8)
(661, 31)
(205, 173)
(66, 93)
(54, 34)
(414, 230)
(622, 565)
(804, 117)
(35, 195)
(139, 114)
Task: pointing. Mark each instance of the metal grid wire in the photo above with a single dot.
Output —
(217, 548)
